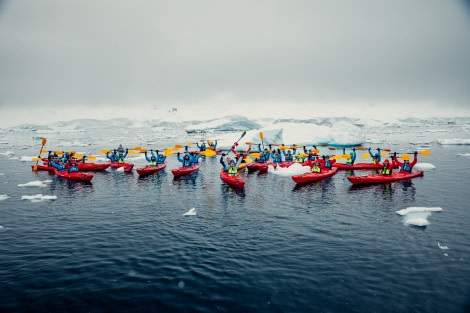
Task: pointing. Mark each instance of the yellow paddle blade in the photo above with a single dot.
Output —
(361, 148)
(405, 157)
(43, 151)
(248, 143)
(283, 148)
(35, 167)
(177, 147)
(316, 151)
(59, 152)
(104, 151)
(425, 152)
(36, 159)
(168, 152)
(337, 157)
(261, 135)
(142, 150)
(72, 151)
(248, 160)
(302, 155)
(133, 152)
(208, 153)
(345, 156)
(77, 156)
(365, 155)
(189, 143)
(44, 141)
(383, 153)
(255, 155)
(293, 147)
(91, 157)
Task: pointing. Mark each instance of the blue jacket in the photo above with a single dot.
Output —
(201, 147)
(352, 156)
(185, 162)
(59, 166)
(378, 154)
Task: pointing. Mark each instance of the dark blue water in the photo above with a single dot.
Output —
(122, 243)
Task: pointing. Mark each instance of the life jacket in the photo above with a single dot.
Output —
(316, 169)
(386, 171)
(186, 162)
(289, 157)
(153, 163)
(299, 160)
(406, 167)
(232, 170)
(121, 161)
(349, 160)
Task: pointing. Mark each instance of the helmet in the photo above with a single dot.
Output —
(232, 161)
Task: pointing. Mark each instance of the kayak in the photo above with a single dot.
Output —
(147, 170)
(127, 166)
(255, 166)
(88, 167)
(357, 166)
(235, 181)
(44, 167)
(379, 178)
(286, 164)
(180, 171)
(310, 176)
(77, 176)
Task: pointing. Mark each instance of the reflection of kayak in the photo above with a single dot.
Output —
(78, 176)
(180, 171)
(147, 170)
(310, 176)
(357, 166)
(235, 181)
(255, 166)
(379, 178)
(87, 167)
(127, 166)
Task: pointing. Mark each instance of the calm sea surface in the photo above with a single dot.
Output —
(122, 243)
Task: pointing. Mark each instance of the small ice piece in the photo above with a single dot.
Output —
(191, 212)
(4, 197)
(442, 247)
(39, 197)
(418, 209)
(36, 183)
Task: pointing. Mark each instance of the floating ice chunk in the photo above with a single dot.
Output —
(7, 153)
(455, 141)
(36, 183)
(294, 169)
(26, 158)
(463, 154)
(417, 218)
(418, 209)
(424, 166)
(191, 212)
(4, 197)
(120, 169)
(38, 198)
(442, 247)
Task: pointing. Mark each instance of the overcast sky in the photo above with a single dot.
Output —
(66, 59)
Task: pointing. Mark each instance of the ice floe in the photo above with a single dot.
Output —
(424, 166)
(36, 183)
(463, 154)
(7, 153)
(442, 247)
(455, 141)
(38, 198)
(417, 216)
(190, 212)
(4, 197)
(294, 169)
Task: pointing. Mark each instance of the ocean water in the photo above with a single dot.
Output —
(123, 243)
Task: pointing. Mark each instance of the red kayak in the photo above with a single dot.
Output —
(44, 167)
(127, 167)
(357, 166)
(147, 170)
(185, 170)
(310, 176)
(235, 181)
(255, 166)
(287, 164)
(379, 178)
(92, 167)
(77, 176)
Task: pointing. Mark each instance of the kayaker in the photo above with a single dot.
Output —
(277, 158)
(160, 157)
(73, 167)
(113, 157)
(233, 167)
(316, 167)
(152, 160)
(212, 145)
(201, 147)
(288, 156)
(120, 149)
(352, 156)
(194, 158)
(185, 161)
(264, 154)
(375, 157)
(387, 168)
(121, 158)
(406, 166)
(224, 162)
(59, 165)
(327, 162)
(312, 154)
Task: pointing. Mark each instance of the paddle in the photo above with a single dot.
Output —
(261, 136)
(407, 156)
(208, 152)
(44, 141)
